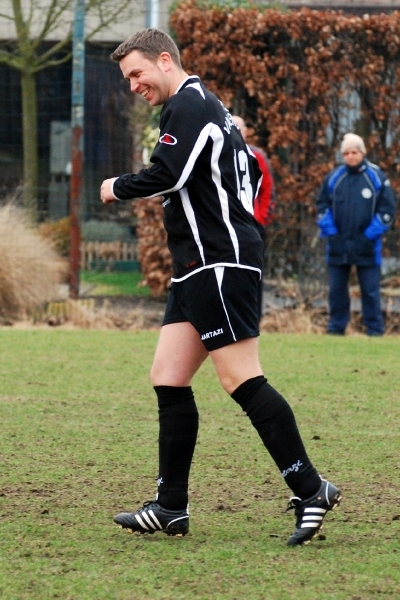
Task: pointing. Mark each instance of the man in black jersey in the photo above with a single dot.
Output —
(208, 178)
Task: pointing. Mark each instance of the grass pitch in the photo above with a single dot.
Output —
(115, 283)
(79, 443)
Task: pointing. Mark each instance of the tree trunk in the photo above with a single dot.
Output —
(30, 153)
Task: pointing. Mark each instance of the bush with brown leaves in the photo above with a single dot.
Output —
(153, 253)
(300, 78)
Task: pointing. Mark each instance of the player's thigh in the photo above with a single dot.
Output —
(178, 356)
(236, 363)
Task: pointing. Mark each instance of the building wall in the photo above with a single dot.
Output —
(355, 6)
(109, 133)
(107, 128)
(136, 16)
(155, 13)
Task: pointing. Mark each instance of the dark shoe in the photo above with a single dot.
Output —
(335, 332)
(153, 517)
(310, 513)
(374, 333)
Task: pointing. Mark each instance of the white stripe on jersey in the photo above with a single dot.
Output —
(218, 139)
(183, 83)
(198, 147)
(221, 264)
(197, 87)
(213, 131)
(189, 212)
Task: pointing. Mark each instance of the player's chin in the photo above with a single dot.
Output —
(156, 100)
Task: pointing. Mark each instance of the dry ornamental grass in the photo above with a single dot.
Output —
(30, 269)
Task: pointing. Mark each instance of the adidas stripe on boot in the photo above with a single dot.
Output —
(310, 513)
(154, 517)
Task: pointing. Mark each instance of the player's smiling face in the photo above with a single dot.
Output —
(147, 78)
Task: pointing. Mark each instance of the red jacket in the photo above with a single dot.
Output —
(265, 201)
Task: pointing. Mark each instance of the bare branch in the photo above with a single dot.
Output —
(45, 60)
(53, 63)
(9, 59)
(53, 18)
(106, 13)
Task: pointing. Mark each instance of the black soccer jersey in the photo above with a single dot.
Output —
(208, 178)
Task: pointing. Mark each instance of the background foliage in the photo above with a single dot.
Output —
(154, 256)
(302, 79)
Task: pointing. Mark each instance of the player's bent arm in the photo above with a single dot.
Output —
(157, 180)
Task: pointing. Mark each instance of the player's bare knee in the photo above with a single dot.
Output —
(157, 376)
(168, 377)
(229, 383)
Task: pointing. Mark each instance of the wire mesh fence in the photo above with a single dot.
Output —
(108, 141)
(111, 147)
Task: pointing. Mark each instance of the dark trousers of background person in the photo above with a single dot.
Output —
(261, 231)
(339, 298)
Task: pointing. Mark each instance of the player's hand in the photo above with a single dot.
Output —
(106, 195)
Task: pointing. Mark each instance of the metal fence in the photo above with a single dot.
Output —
(298, 254)
(291, 253)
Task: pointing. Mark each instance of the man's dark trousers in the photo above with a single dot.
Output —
(339, 298)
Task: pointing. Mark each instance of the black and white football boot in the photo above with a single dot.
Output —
(153, 517)
(310, 513)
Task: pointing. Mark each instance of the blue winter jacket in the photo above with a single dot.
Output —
(355, 206)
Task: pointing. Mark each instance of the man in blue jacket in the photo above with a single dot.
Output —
(355, 207)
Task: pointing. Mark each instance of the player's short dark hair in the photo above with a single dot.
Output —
(151, 43)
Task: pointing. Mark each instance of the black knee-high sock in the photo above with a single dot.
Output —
(179, 421)
(274, 421)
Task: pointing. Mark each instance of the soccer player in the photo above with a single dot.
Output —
(208, 179)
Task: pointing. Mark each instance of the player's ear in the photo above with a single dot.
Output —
(164, 61)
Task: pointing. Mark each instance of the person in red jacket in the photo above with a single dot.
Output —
(264, 203)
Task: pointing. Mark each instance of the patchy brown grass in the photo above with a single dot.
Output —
(303, 317)
(79, 444)
(294, 320)
(126, 313)
(315, 320)
(135, 314)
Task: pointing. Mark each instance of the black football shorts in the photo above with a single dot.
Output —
(220, 302)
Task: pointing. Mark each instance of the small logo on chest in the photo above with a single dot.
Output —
(366, 193)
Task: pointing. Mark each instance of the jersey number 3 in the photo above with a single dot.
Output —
(245, 190)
